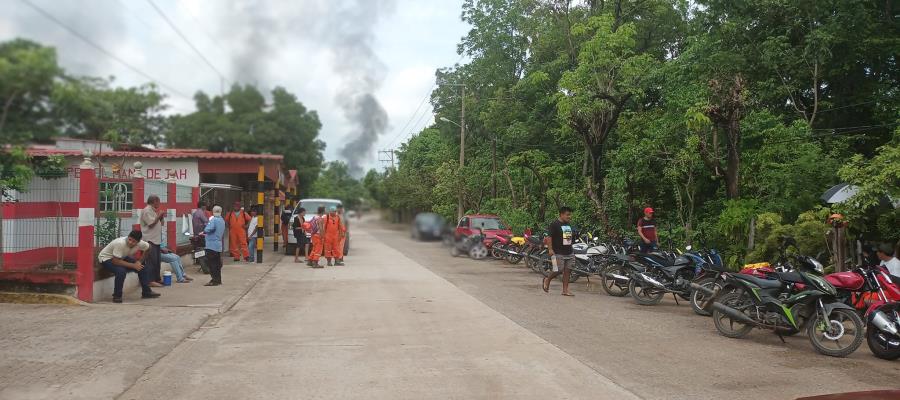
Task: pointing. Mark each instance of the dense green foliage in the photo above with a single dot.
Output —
(40, 100)
(335, 182)
(716, 113)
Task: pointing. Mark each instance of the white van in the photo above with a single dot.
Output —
(311, 205)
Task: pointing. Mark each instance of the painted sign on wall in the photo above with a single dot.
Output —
(184, 172)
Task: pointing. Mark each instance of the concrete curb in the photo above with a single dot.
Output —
(40, 298)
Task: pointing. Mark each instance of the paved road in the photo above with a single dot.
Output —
(383, 327)
(657, 352)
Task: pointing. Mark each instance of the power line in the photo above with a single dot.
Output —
(97, 47)
(183, 37)
(205, 32)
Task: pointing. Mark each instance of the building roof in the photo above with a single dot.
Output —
(43, 151)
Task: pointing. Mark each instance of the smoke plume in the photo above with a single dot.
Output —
(362, 73)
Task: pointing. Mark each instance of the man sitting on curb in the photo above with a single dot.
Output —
(117, 257)
(166, 255)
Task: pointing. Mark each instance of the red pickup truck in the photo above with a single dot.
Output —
(491, 225)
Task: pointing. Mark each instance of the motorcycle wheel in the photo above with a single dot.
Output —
(454, 251)
(497, 250)
(611, 285)
(877, 349)
(478, 252)
(644, 296)
(826, 336)
(724, 324)
(698, 297)
(514, 258)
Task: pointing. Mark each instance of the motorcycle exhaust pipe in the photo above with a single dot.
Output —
(733, 314)
(617, 276)
(707, 291)
(883, 323)
(652, 281)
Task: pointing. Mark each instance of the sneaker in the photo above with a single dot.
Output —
(151, 295)
(339, 263)
(237, 260)
(329, 264)
(117, 299)
(155, 284)
(247, 259)
(213, 283)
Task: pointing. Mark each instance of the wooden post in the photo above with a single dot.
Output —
(260, 201)
(137, 195)
(276, 220)
(171, 215)
(87, 211)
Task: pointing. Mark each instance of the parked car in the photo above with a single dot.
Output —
(428, 226)
(311, 205)
(491, 225)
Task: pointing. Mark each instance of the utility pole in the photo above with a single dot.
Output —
(462, 147)
(386, 156)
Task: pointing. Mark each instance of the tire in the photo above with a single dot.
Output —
(347, 246)
(852, 339)
(727, 329)
(611, 285)
(478, 252)
(876, 348)
(497, 250)
(517, 258)
(698, 297)
(644, 297)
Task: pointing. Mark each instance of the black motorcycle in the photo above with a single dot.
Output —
(663, 274)
(883, 331)
(746, 302)
(199, 254)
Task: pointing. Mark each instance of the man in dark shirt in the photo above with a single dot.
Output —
(646, 227)
(559, 244)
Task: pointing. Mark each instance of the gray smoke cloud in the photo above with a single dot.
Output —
(362, 74)
(258, 29)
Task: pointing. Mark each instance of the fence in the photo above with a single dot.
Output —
(40, 226)
(52, 232)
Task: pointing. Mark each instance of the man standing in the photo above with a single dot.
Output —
(559, 244)
(237, 221)
(318, 238)
(251, 233)
(199, 218)
(151, 227)
(215, 231)
(333, 235)
(343, 235)
(646, 227)
(285, 222)
(886, 255)
(117, 257)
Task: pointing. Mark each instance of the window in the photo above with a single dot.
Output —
(464, 223)
(487, 223)
(116, 196)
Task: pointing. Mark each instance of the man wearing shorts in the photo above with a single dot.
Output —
(559, 244)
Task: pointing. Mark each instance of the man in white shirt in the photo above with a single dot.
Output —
(118, 258)
(251, 233)
(886, 255)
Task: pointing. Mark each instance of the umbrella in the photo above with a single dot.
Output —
(839, 193)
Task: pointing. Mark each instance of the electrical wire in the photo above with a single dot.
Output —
(186, 40)
(102, 50)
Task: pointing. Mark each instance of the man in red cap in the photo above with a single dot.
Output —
(646, 227)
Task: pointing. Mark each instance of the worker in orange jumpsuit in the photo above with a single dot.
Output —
(333, 234)
(237, 221)
(340, 247)
(317, 237)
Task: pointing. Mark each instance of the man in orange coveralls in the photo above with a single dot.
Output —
(317, 237)
(237, 221)
(339, 258)
(334, 231)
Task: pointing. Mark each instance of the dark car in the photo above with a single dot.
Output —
(428, 226)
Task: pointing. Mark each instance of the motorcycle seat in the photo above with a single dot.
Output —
(763, 283)
(791, 277)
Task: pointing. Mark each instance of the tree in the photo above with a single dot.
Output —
(27, 74)
(336, 182)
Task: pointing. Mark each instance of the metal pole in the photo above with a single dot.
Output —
(276, 221)
(462, 148)
(260, 201)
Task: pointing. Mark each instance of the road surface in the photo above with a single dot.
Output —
(404, 320)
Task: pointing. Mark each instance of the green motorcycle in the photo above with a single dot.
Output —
(787, 305)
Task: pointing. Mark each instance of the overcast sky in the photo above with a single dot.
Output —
(324, 51)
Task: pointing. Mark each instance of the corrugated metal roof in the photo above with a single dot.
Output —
(159, 153)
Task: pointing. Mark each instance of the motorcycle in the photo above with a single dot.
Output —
(745, 302)
(615, 274)
(472, 245)
(883, 331)
(663, 275)
(199, 254)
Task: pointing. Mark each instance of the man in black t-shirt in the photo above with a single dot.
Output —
(559, 244)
